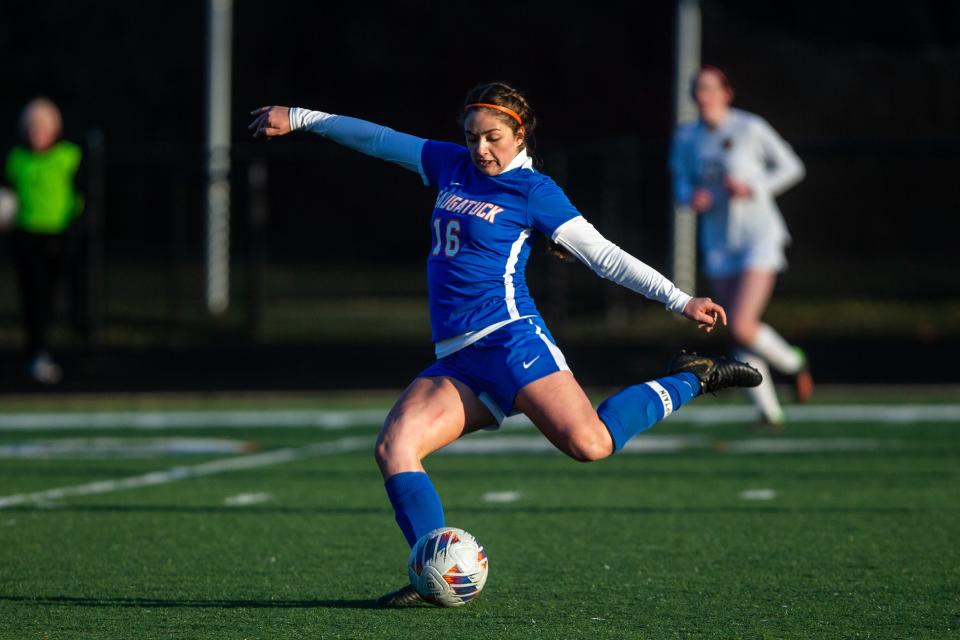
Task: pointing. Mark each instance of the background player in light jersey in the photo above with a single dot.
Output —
(728, 166)
(495, 355)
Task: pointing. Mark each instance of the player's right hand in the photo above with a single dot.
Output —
(702, 200)
(270, 122)
(706, 313)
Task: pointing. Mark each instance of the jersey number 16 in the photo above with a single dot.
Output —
(449, 241)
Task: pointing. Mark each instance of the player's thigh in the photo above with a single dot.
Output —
(560, 409)
(430, 414)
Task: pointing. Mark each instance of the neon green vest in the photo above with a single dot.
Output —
(44, 184)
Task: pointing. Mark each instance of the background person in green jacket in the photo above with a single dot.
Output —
(42, 173)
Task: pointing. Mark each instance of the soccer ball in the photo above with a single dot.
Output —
(8, 208)
(448, 567)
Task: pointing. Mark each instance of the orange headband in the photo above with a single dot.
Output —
(509, 112)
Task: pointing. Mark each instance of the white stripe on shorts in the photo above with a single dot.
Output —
(664, 397)
(554, 350)
(494, 408)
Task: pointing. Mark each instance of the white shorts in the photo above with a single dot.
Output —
(724, 263)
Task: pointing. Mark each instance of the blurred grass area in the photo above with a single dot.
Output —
(384, 398)
(149, 307)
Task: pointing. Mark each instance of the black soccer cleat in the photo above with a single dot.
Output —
(715, 373)
(403, 597)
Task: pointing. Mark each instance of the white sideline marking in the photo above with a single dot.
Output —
(122, 447)
(345, 419)
(245, 499)
(758, 494)
(174, 474)
(501, 496)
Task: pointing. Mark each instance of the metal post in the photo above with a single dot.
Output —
(686, 62)
(219, 49)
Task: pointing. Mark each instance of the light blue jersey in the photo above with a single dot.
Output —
(482, 235)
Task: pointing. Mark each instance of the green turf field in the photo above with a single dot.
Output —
(835, 529)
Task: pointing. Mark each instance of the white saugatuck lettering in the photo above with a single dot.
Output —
(478, 208)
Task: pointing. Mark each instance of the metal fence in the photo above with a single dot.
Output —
(349, 263)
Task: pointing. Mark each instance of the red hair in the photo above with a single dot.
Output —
(724, 80)
(709, 68)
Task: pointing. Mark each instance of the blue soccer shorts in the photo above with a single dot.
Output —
(498, 365)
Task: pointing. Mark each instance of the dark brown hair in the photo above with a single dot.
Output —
(503, 95)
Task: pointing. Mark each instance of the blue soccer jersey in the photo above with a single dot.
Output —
(482, 235)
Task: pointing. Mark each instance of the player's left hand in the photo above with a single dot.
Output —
(738, 189)
(706, 313)
(270, 122)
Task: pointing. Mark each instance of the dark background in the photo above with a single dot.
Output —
(866, 93)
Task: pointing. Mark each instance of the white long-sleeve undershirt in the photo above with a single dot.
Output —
(609, 261)
(577, 236)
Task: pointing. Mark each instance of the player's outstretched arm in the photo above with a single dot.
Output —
(366, 137)
(609, 261)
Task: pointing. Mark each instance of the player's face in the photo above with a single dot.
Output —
(710, 93)
(491, 141)
(43, 127)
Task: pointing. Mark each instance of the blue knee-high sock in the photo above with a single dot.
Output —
(416, 504)
(641, 406)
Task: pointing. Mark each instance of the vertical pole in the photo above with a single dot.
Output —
(219, 49)
(686, 62)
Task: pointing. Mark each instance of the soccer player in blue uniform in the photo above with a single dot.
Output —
(495, 355)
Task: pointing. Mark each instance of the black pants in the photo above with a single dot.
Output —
(40, 261)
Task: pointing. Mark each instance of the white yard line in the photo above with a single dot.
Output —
(481, 444)
(501, 496)
(246, 499)
(758, 494)
(174, 474)
(345, 419)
